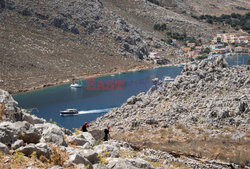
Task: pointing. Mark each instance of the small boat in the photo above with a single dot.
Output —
(75, 85)
(168, 78)
(69, 112)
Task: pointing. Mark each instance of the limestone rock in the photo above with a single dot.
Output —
(40, 149)
(4, 148)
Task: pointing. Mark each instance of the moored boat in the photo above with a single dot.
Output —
(168, 78)
(75, 85)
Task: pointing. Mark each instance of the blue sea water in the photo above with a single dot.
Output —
(48, 102)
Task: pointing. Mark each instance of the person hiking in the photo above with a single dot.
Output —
(106, 132)
(84, 127)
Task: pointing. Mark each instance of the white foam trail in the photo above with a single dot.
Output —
(94, 111)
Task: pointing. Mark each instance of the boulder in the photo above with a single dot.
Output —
(10, 132)
(132, 100)
(243, 107)
(76, 140)
(139, 163)
(87, 145)
(56, 167)
(78, 158)
(31, 136)
(40, 149)
(91, 155)
(97, 134)
(54, 134)
(4, 148)
(103, 148)
(100, 165)
(32, 119)
(17, 144)
(87, 136)
(8, 101)
(220, 62)
(118, 163)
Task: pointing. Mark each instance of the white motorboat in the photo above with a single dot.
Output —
(75, 85)
(168, 78)
(69, 112)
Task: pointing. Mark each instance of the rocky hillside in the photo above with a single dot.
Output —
(203, 113)
(48, 42)
(29, 142)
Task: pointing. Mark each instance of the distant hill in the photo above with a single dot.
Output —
(46, 42)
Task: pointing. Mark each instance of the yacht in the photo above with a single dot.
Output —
(168, 78)
(69, 112)
(75, 85)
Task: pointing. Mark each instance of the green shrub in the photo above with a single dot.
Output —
(51, 121)
(160, 27)
(235, 20)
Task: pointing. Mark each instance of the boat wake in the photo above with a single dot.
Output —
(94, 111)
(88, 112)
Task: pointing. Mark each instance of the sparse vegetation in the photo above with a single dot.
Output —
(51, 121)
(235, 20)
(18, 156)
(2, 109)
(160, 27)
(77, 131)
(58, 157)
(34, 155)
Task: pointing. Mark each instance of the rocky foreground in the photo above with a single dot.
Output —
(200, 120)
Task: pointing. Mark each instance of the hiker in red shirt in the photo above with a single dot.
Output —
(84, 127)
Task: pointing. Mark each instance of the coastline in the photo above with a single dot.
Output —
(61, 82)
(136, 68)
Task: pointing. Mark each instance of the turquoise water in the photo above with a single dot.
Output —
(92, 104)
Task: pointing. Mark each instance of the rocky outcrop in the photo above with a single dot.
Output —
(4, 148)
(208, 101)
(40, 149)
(54, 134)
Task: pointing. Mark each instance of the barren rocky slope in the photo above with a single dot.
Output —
(29, 142)
(49, 41)
(203, 113)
